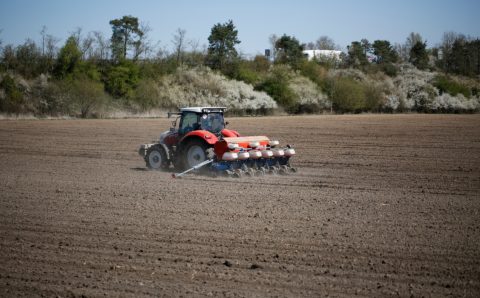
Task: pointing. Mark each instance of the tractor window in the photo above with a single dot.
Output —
(188, 123)
(212, 122)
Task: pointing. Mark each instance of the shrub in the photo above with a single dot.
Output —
(84, 96)
(245, 74)
(448, 103)
(352, 73)
(348, 95)
(122, 79)
(308, 96)
(315, 72)
(413, 88)
(374, 98)
(201, 86)
(146, 95)
(277, 86)
(450, 86)
(52, 99)
(12, 100)
(389, 69)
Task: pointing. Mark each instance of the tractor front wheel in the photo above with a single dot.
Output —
(156, 158)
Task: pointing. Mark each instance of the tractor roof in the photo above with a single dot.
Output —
(204, 109)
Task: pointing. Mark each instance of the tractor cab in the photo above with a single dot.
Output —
(199, 118)
(209, 119)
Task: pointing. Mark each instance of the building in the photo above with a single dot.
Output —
(323, 54)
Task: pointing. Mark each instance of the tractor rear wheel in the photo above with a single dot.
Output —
(156, 158)
(195, 152)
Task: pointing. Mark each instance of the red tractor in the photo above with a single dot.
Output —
(201, 139)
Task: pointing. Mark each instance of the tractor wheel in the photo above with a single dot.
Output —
(195, 152)
(156, 158)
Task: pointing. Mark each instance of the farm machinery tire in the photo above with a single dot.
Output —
(156, 158)
(195, 151)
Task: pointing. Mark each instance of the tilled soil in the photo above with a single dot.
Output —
(382, 205)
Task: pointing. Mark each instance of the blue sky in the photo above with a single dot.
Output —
(344, 21)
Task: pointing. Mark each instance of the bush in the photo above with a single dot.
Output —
(389, 69)
(413, 89)
(245, 74)
(12, 100)
(448, 103)
(277, 86)
(146, 95)
(308, 96)
(122, 79)
(52, 100)
(374, 98)
(315, 72)
(348, 95)
(84, 96)
(294, 92)
(201, 86)
(445, 84)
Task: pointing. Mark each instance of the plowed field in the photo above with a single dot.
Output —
(382, 205)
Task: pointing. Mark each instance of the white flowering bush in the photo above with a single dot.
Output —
(392, 102)
(308, 93)
(352, 73)
(458, 103)
(414, 89)
(203, 87)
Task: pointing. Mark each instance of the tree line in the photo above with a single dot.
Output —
(91, 69)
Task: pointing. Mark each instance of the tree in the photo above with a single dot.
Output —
(412, 40)
(142, 45)
(49, 53)
(464, 57)
(68, 58)
(221, 49)
(384, 52)
(261, 64)
(122, 79)
(356, 54)
(9, 59)
(43, 32)
(101, 46)
(366, 46)
(348, 95)
(28, 58)
(448, 41)
(419, 55)
(86, 46)
(276, 85)
(82, 96)
(310, 46)
(289, 51)
(12, 101)
(179, 44)
(126, 34)
(326, 43)
(272, 39)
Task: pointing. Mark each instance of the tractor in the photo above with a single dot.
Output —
(202, 139)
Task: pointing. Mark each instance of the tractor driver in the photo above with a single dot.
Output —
(212, 122)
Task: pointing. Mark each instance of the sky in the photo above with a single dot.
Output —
(343, 21)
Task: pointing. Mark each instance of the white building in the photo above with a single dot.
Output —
(322, 54)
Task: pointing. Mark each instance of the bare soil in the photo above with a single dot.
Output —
(382, 205)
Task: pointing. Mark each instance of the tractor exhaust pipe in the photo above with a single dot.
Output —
(204, 163)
